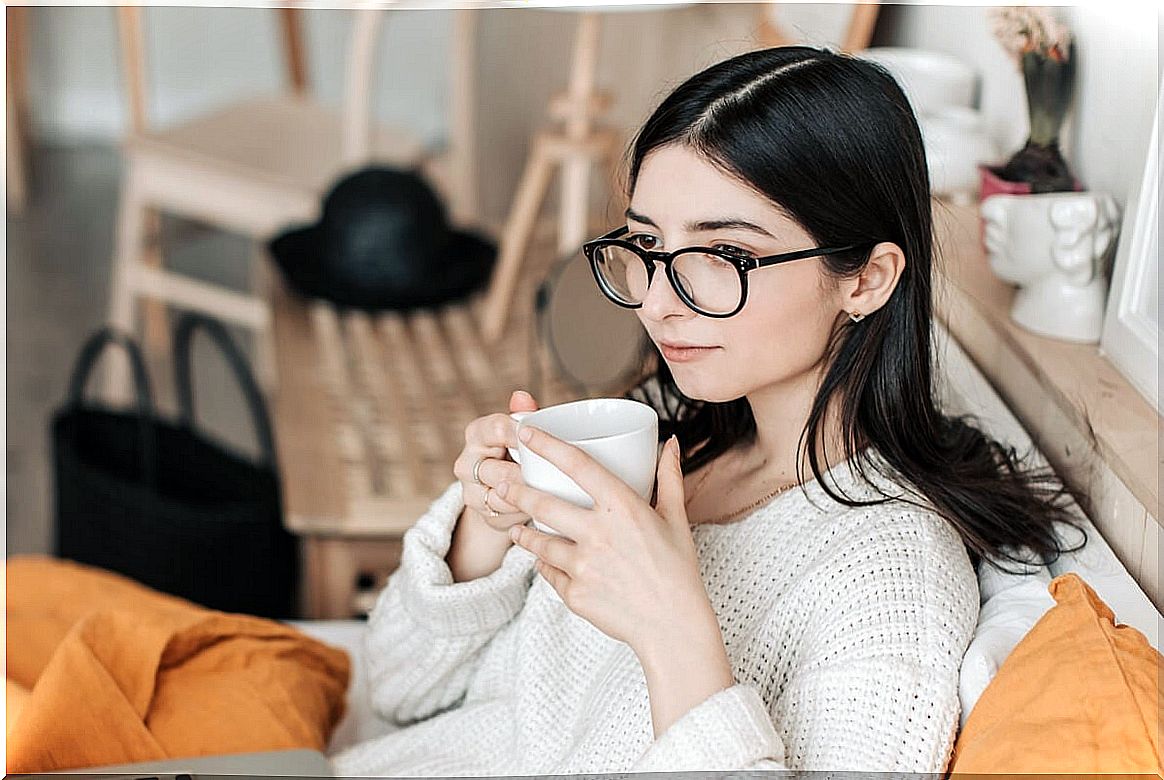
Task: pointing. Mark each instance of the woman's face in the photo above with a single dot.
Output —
(781, 333)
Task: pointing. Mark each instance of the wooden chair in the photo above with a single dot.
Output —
(255, 167)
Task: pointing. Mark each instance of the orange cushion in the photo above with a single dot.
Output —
(1079, 694)
(15, 697)
(121, 673)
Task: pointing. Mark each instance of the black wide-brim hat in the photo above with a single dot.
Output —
(383, 243)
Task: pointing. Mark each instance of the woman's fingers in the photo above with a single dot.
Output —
(493, 473)
(465, 463)
(485, 497)
(554, 550)
(521, 401)
(483, 463)
(562, 516)
(590, 475)
(493, 430)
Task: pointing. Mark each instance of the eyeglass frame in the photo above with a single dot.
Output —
(742, 264)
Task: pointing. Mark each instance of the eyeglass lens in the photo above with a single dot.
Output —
(711, 283)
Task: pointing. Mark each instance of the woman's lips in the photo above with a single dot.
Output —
(681, 354)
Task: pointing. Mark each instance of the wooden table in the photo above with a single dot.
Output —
(370, 413)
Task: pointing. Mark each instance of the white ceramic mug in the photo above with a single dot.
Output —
(620, 433)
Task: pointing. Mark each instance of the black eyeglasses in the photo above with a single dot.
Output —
(712, 282)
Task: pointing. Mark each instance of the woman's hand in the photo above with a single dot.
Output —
(627, 567)
(486, 440)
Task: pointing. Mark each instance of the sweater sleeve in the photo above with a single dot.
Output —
(876, 688)
(426, 632)
(729, 730)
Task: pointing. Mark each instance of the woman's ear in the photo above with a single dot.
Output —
(868, 291)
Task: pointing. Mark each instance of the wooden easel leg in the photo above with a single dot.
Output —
(768, 34)
(861, 27)
(531, 191)
(575, 204)
(616, 183)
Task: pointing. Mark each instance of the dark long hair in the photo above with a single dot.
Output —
(833, 141)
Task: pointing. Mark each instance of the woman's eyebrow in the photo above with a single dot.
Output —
(705, 225)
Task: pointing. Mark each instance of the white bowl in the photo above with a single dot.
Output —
(955, 144)
(930, 79)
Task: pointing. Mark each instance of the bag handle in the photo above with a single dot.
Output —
(183, 387)
(90, 352)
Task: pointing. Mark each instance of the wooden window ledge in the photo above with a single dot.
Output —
(1100, 434)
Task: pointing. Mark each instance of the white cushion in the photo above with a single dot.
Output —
(360, 721)
(1016, 603)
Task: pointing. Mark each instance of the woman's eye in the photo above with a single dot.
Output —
(636, 239)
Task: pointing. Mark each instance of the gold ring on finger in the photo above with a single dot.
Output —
(492, 512)
(477, 471)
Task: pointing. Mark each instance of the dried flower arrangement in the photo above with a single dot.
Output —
(1043, 49)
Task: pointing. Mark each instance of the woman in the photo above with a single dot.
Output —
(736, 623)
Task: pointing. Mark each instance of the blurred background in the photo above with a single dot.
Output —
(472, 96)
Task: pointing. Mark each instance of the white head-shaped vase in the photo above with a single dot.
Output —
(1056, 246)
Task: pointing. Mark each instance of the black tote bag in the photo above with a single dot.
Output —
(161, 502)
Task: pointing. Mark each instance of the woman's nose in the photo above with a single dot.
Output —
(661, 300)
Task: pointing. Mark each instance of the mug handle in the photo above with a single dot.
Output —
(516, 417)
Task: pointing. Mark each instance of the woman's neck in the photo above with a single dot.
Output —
(781, 412)
(748, 471)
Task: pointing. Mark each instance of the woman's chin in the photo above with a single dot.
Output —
(703, 388)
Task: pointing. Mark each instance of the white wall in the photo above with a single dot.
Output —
(202, 57)
(1105, 136)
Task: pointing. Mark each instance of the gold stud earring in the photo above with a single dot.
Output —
(856, 316)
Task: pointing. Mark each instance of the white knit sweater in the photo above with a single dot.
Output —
(845, 628)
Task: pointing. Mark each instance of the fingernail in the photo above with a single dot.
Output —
(514, 532)
(502, 489)
(524, 434)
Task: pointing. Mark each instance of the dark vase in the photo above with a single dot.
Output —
(1049, 85)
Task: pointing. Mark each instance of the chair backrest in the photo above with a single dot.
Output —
(358, 84)
(132, 43)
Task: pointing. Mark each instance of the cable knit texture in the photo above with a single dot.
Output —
(845, 627)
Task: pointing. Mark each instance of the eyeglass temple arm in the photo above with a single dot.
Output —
(803, 253)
